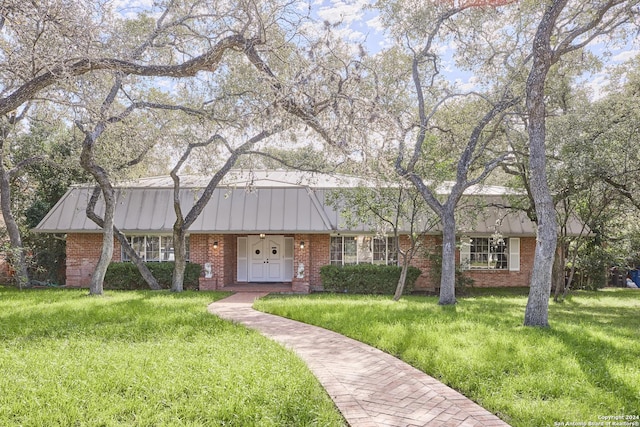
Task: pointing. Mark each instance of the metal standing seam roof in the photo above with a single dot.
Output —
(265, 202)
(150, 210)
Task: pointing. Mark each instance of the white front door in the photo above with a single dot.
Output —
(266, 259)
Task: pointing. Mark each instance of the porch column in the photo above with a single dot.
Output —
(301, 263)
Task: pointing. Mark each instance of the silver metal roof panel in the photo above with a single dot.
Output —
(276, 201)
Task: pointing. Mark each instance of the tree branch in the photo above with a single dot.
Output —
(205, 62)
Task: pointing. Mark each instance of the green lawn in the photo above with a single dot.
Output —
(584, 368)
(145, 359)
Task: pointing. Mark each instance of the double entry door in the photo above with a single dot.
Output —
(266, 255)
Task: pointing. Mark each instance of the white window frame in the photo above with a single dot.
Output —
(364, 250)
(161, 247)
(511, 261)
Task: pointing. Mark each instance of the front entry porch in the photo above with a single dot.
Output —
(253, 262)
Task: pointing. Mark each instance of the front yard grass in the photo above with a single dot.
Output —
(145, 359)
(583, 369)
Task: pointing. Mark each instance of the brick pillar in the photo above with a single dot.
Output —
(301, 263)
(320, 256)
(212, 251)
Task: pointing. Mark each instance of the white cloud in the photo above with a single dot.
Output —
(471, 84)
(625, 56)
(345, 11)
(131, 8)
(451, 47)
(375, 24)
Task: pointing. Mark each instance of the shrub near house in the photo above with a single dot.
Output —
(366, 278)
(125, 276)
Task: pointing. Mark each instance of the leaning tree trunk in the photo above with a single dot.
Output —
(448, 274)
(144, 271)
(537, 311)
(18, 260)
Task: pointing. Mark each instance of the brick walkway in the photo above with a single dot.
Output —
(369, 387)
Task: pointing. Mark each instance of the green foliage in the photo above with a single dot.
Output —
(591, 268)
(39, 187)
(144, 358)
(125, 275)
(366, 278)
(585, 366)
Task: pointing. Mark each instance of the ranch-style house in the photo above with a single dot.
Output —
(278, 226)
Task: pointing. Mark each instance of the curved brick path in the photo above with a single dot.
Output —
(369, 387)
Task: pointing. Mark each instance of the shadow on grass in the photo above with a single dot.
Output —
(594, 356)
(122, 315)
(617, 311)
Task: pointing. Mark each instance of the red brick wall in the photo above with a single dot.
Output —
(420, 261)
(487, 278)
(230, 258)
(202, 250)
(83, 251)
(320, 255)
(198, 248)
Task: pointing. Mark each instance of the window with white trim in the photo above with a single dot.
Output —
(153, 248)
(486, 253)
(362, 249)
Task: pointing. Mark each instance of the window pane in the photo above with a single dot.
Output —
(379, 251)
(392, 257)
(137, 244)
(166, 249)
(479, 252)
(153, 248)
(350, 250)
(123, 255)
(486, 253)
(336, 250)
(499, 254)
(365, 254)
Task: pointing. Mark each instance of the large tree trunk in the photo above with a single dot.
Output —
(403, 278)
(180, 254)
(537, 311)
(448, 275)
(100, 175)
(17, 255)
(106, 253)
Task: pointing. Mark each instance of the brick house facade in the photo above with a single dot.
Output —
(83, 250)
(276, 227)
